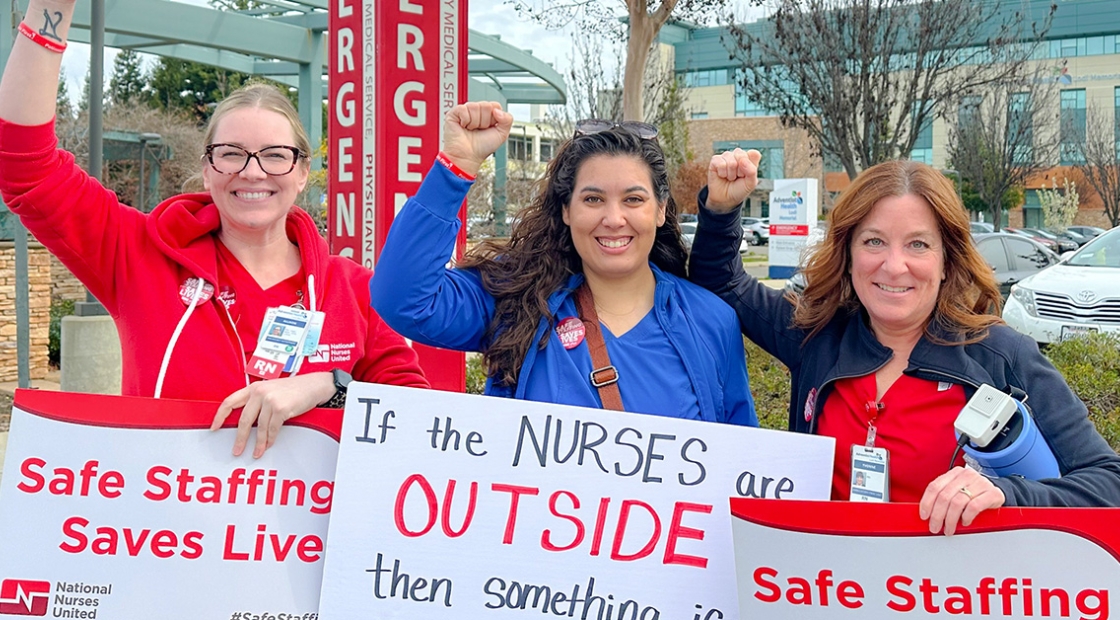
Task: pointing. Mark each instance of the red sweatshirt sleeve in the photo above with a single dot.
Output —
(389, 360)
(73, 215)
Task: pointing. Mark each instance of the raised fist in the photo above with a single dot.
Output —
(732, 176)
(474, 130)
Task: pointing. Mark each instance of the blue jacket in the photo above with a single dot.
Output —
(846, 347)
(421, 299)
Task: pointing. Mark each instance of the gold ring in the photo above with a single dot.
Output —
(966, 492)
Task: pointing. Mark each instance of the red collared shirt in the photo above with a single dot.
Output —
(914, 421)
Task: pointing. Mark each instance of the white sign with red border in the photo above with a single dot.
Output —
(794, 205)
(459, 506)
(857, 560)
(114, 507)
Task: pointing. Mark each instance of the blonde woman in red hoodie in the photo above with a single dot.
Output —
(189, 285)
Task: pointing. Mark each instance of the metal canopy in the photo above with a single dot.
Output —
(280, 42)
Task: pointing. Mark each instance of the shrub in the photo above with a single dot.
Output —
(1091, 366)
(476, 373)
(59, 309)
(769, 386)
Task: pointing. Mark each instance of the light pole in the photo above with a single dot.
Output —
(144, 138)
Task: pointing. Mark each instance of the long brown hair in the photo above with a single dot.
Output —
(539, 257)
(968, 301)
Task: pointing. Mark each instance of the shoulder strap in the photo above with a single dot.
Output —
(604, 376)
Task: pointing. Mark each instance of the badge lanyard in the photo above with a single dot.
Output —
(870, 466)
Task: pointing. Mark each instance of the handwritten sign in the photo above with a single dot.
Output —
(116, 507)
(456, 506)
(846, 560)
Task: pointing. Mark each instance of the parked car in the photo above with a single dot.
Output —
(1079, 295)
(1050, 245)
(756, 230)
(796, 282)
(981, 227)
(1075, 237)
(1064, 245)
(1013, 257)
(688, 234)
(1086, 231)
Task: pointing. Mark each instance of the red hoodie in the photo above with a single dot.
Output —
(135, 264)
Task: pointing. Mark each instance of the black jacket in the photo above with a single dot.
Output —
(846, 347)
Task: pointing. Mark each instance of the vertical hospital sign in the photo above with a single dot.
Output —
(396, 66)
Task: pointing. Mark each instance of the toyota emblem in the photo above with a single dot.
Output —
(1086, 296)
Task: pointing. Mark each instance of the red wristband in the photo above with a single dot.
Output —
(450, 165)
(40, 40)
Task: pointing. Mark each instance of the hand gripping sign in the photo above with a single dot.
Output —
(116, 507)
(457, 506)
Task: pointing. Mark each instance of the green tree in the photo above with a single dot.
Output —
(127, 82)
(190, 86)
(65, 109)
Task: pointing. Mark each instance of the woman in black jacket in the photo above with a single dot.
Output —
(897, 327)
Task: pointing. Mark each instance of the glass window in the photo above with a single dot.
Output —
(1094, 45)
(923, 144)
(520, 148)
(1072, 126)
(548, 147)
(1116, 119)
(993, 252)
(1069, 47)
(1026, 255)
(699, 116)
(1020, 129)
(968, 111)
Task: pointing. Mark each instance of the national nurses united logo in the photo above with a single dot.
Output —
(23, 597)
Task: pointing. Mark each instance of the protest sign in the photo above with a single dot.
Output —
(458, 506)
(858, 560)
(116, 507)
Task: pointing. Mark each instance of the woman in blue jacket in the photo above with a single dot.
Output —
(603, 227)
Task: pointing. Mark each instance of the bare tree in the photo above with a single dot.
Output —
(594, 92)
(1002, 136)
(644, 21)
(1099, 160)
(876, 71)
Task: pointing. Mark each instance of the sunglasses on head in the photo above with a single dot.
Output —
(592, 126)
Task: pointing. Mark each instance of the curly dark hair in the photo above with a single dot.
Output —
(539, 256)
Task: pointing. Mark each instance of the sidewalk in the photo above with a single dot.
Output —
(9, 388)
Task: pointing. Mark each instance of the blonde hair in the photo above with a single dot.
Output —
(968, 301)
(259, 95)
(266, 97)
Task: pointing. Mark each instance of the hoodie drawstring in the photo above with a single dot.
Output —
(175, 336)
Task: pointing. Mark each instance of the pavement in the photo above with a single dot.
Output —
(9, 388)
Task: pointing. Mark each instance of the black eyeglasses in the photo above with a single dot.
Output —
(592, 126)
(275, 161)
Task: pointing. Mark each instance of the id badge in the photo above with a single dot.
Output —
(870, 474)
(279, 342)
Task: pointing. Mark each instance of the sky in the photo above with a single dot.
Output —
(487, 16)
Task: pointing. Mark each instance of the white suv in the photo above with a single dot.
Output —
(1080, 294)
(756, 230)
